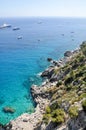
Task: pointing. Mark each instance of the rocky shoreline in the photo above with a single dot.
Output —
(42, 99)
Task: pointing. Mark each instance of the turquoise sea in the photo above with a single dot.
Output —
(22, 60)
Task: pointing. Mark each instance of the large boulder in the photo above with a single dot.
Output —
(49, 59)
(78, 123)
(68, 53)
(7, 127)
(48, 73)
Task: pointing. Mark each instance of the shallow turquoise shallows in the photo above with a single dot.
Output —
(21, 60)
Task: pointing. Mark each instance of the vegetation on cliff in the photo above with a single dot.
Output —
(68, 96)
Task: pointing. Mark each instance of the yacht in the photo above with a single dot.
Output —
(5, 26)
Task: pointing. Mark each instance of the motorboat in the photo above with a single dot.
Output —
(16, 28)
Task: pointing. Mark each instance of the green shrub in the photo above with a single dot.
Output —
(84, 105)
(83, 48)
(56, 71)
(79, 74)
(73, 111)
(83, 95)
(83, 45)
(48, 110)
(59, 119)
(84, 79)
(68, 80)
(54, 105)
(75, 65)
(58, 116)
(68, 87)
(59, 83)
(81, 59)
(46, 118)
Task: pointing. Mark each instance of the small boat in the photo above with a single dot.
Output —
(38, 40)
(5, 26)
(39, 22)
(72, 32)
(16, 28)
(19, 37)
(62, 34)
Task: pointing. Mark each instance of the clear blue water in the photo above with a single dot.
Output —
(22, 60)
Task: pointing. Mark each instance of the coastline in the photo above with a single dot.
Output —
(42, 97)
(24, 71)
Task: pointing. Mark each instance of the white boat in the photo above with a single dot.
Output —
(5, 26)
(19, 37)
(16, 28)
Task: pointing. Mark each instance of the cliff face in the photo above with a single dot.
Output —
(68, 94)
(61, 99)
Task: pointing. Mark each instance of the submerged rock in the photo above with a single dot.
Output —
(8, 110)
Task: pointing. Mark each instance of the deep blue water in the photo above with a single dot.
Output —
(22, 60)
